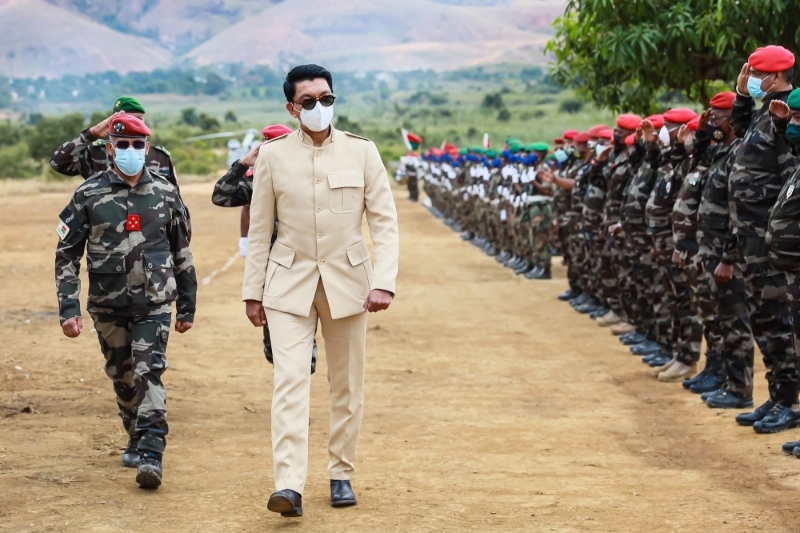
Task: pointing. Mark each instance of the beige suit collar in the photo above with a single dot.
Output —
(305, 139)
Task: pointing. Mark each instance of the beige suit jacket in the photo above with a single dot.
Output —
(320, 195)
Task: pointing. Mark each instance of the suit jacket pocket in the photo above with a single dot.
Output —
(361, 268)
(280, 261)
(108, 280)
(346, 190)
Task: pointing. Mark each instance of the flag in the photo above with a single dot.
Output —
(486, 143)
(411, 141)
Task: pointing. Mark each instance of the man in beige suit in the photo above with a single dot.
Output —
(320, 182)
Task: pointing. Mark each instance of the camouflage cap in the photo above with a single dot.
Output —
(128, 104)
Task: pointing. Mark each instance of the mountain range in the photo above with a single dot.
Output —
(52, 38)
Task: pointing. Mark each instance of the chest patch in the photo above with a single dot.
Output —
(133, 223)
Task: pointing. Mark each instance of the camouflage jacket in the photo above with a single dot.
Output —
(580, 174)
(86, 155)
(687, 203)
(595, 197)
(764, 163)
(137, 249)
(713, 213)
(621, 172)
(234, 189)
(669, 178)
(562, 198)
(783, 233)
(639, 189)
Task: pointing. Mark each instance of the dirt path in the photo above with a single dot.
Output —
(490, 407)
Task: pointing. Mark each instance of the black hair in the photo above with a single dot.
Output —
(304, 73)
(788, 74)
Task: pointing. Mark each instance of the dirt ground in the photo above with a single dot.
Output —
(490, 406)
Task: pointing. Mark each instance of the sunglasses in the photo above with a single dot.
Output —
(124, 145)
(310, 103)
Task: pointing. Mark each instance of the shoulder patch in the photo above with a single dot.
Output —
(99, 142)
(356, 136)
(68, 221)
(277, 138)
(162, 149)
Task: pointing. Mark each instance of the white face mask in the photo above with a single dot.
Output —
(600, 148)
(318, 119)
(663, 136)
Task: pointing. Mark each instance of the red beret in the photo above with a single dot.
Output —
(723, 100)
(275, 131)
(656, 120)
(594, 131)
(629, 139)
(692, 124)
(771, 59)
(125, 125)
(582, 138)
(570, 134)
(558, 141)
(629, 122)
(607, 133)
(679, 115)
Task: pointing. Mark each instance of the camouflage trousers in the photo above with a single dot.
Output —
(637, 310)
(733, 320)
(135, 349)
(769, 318)
(591, 248)
(610, 286)
(654, 316)
(413, 188)
(686, 328)
(703, 304)
(793, 294)
(567, 232)
(539, 233)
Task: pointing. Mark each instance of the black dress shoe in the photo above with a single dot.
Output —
(788, 447)
(748, 419)
(780, 418)
(131, 456)
(287, 502)
(342, 494)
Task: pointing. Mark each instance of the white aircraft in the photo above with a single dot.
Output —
(236, 148)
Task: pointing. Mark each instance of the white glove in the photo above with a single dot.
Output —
(243, 246)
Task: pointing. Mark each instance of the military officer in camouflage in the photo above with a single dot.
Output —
(132, 224)
(86, 155)
(235, 189)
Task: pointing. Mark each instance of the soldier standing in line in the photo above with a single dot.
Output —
(133, 227)
(235, 189)
(763, 165)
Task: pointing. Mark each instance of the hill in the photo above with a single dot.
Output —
(53, 38)
(39, 39)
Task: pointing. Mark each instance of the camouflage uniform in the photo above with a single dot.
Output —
(235, 189)
(638, 242)
(412, 179)
(592, 229)
(728, 299)
(579, 173)
(562, 205)
(617, 279)
(764, 163)
(139, 262)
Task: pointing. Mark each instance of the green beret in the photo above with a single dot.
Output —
(513, 140)
(516, 147)
(539, 147)
(128, 104)
(550, 157)
(794, 100)
(491, 153)
(463, 151)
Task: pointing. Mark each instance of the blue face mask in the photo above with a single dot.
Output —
(793, 133)
(561, 155)
(130, 162)
(754, 88)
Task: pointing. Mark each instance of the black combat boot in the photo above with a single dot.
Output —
(148, 474)
(130, 457)
(729, 400)
(780, 418)
(748, 419)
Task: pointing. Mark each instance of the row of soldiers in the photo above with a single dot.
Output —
(675, 229)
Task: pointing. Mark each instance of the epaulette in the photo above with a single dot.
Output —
(276, 138)
(99, 142)
(356, 136)
(162, 149)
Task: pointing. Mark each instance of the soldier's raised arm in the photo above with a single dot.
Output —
(73, 158)
(233, 189)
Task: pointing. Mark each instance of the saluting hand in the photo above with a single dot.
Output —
(779, 109)
(100, 130)
(701, 124)
(250, 159)
(649, 131)
(377, 300)
(72, 327)
(683, 133)
(741, 80)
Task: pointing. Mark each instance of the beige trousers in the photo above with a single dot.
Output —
(345, 351)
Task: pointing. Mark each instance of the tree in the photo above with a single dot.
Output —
(189, 116)
(571, 105)
(623, 53)
(492, 101)
(214, 84)
(230, 116)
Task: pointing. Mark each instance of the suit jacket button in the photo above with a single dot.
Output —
(317, 181)
(319, 209)
(319, 235)
(316, 153)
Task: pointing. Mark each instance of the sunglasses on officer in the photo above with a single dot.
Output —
(310, 103)
(124, 145)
